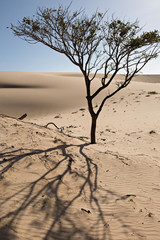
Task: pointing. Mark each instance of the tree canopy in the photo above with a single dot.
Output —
(94, 45)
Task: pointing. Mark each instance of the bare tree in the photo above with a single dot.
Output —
(93, 45)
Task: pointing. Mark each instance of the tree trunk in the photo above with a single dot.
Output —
(93, 129)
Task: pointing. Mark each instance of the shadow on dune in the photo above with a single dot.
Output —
(50, 200)
(10, 85)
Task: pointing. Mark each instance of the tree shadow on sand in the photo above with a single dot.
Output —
(63, 202)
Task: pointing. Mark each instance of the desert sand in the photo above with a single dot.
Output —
(54, 184)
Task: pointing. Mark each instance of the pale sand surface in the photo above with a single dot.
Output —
(46, 176)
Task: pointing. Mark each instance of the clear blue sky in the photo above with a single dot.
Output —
(18, 55)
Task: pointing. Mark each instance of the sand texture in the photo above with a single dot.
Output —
(54, 184)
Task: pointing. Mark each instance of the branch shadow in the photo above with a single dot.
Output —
(7, 234)
(57, 208)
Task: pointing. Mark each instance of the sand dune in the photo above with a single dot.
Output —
(38, 93)
(54, 184)
(41, 93)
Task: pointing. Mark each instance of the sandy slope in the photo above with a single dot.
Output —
(47, 178)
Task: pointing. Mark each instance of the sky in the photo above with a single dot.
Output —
(18, 55)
